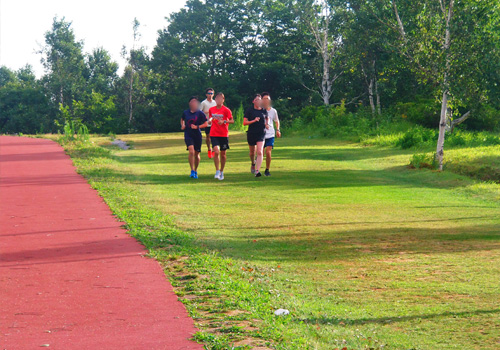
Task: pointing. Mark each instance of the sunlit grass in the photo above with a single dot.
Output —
(363, 251)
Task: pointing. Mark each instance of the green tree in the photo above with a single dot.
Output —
(64, 63)
(24, 106)
(447, 42)
(101, 72)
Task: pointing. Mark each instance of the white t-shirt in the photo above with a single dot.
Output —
(272, 114)
(205, 106)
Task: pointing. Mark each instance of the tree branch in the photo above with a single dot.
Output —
(350, 102)
(400, 23)
(458, 121)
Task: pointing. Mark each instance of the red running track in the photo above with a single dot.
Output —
(70, 276)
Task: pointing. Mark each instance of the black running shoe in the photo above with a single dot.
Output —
(258, 174)
(267, 172)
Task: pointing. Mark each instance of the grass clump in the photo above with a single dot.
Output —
(423, 160)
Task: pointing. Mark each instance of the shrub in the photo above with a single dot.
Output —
(486, 118)
(423, 160)
(423, 111)
(416, 137)
(238, 120)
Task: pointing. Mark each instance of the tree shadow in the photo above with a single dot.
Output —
(52, 180)
(29, 157)
(289, 180)
(89, 250)
(352, 153)
(285, 149)
(385, 320)
(307, 244)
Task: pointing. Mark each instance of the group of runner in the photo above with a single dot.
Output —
(214, 117)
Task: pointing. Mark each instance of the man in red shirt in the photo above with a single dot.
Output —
(221, 117)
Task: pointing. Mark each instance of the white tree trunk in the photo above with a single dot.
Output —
(130, 99)
(370, 95)
(442, 130)
(326, 86)
(379, 107)
(444, 102)
(61, 95)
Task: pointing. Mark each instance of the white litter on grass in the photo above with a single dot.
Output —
(121, 144)
(281, 312)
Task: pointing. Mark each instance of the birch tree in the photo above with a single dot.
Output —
(131, 58)
(327, 43)
(63, 60)
(437, 37)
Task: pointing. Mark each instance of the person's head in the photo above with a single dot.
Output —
(219, 99)
(209, 93)
(194, 103)
(257, 100)
(266, 99)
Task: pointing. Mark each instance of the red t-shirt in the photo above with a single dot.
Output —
(217, 114)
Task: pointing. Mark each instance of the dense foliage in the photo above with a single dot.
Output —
(352, 56)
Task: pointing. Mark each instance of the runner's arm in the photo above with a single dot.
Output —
(246, 122)
(245, 119)
(183, 124)
(231, 119)
(277, 123)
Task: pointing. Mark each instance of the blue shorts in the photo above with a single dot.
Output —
(193, 140)
(269, 142)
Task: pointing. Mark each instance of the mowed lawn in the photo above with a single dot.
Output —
(363, 251)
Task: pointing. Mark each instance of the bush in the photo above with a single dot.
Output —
(238, 120)
(332, 121)
(486, 118)
(416, 137)
(423, 160)
(423, 112)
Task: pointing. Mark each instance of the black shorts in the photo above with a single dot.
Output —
(193, 140)
(254, 138)
(207, 130)
(222, 142)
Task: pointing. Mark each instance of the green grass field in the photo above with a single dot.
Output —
(364, 252)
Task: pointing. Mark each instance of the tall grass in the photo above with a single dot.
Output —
(238, 116)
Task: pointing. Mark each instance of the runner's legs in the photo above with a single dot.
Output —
(223, 158)
(260, 155)
(269, 150)
(192, 157)
(252, 153)
(217, 154)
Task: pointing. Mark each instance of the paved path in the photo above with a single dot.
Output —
(70, 276)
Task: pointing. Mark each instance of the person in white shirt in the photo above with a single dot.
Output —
(205, 106)
(271, 131)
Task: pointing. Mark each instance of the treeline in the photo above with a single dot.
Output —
(420, 60)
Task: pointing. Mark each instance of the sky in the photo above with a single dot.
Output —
(99, 23)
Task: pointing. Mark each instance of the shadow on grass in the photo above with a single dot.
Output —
(486, 168)
(384, 320)
(289, 180)
(308, 245)
(295, 148)
(345, 153)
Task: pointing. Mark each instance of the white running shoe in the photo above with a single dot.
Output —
(217, 174)
(221, 176)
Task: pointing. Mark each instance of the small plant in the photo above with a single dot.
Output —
(423, 160)
(83, 133)
(415, 137)
(73, 129)
(238, 120)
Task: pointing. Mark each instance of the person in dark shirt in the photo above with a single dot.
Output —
(256, 118)
(192, 121)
